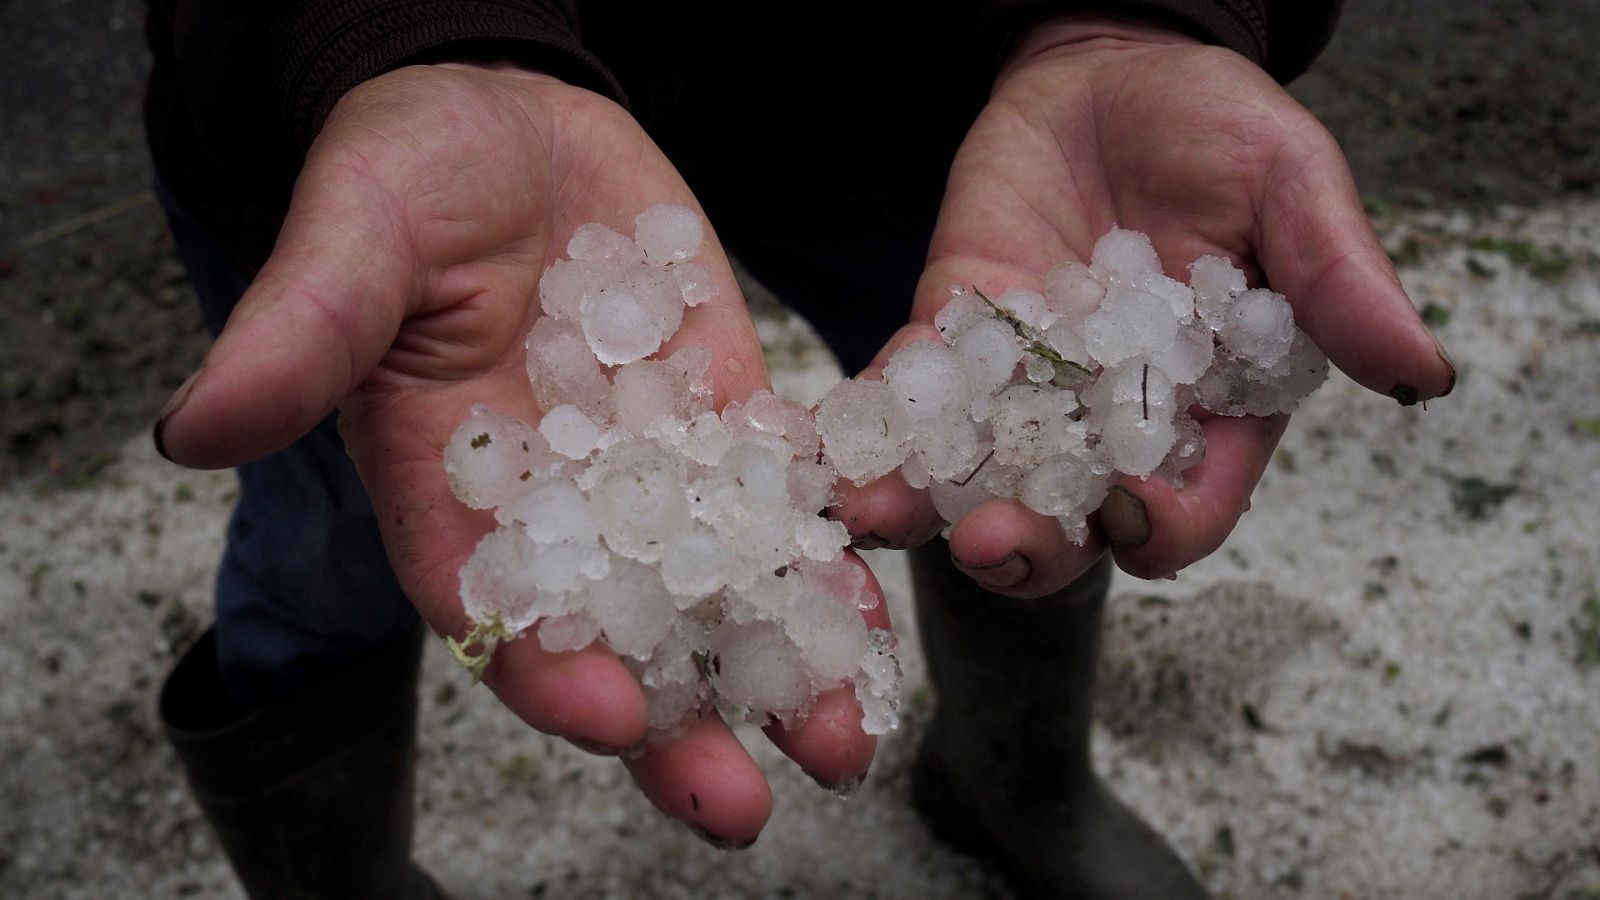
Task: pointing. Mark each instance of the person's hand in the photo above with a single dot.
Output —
(400, 290)
(1095, 122)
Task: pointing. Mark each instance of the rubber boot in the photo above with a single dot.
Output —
(1004, 771)
(311, 796)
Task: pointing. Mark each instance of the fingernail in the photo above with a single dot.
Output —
(179, 396)
(721, 843)
(845, 788)
(1444, 357)
(868, 541)
(1124, 519)
(595, 747)
(998, 575)
(1405, 394)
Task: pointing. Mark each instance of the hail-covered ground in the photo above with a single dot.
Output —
(692, 541)
(1386, 684)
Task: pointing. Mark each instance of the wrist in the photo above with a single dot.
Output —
(1077, 33)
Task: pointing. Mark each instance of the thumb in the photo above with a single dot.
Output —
(1317, 247)
(319, 316)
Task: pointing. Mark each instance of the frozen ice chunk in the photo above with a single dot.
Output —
(563, 369)
(1188, 448)
(756, 666)
(932, 378)
(567, 283)
(551, 512)
(1073, 292)
(865, 429)
(831, 635)
(990, 350)
(1189, 356)
(821, 539)
(1034, 422)
(810, 485)
(1130, 323)
(694, 280)
(950, 447)
(596, 241)
(501, 582)
(1258, 326)
(631, 319)
(490, 456)
(1066, 485)
(647, 391)
(1027, 306)
(640, 502)
(572, 631)
(964, 309)
(1124, 258)
(571, 433)
(669, 233)
(1216, 281)
(695, 563)
(632, 607)
(783, 418)
(877, 686)
(1137, 439)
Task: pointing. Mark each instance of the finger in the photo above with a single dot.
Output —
(829, 745)
(586, 696)
(1009, 549)
(1317, 247)
(316, 320)
(1154, 529)
(887, 512)
(705, 779)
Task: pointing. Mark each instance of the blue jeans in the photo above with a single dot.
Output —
(304, 585)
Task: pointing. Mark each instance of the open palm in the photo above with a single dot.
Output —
(401, 288)
(1095, 123)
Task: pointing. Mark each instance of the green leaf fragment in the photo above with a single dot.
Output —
(1030, 337)
(474, 651)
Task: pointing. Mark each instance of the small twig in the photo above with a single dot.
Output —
(85, 220)
(974, 473)
(1144, 388)
(1032, 341)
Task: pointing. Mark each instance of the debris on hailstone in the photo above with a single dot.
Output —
(691, 540)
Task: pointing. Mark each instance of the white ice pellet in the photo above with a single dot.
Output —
(1073, 292)
(489, 456)
(669, 233)
(570, 432)
(1123, 258)
(694, 280)
(865, 429)
(1216, 281)
(1131, 322)
(1258, 326)
(596, 241)
(631, 319)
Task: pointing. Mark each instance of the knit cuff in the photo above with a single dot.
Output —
(323, 48)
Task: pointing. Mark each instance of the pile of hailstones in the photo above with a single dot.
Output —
(692, 543)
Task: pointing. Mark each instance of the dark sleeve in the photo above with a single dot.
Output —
(1281, 36)
(320, 50)
(239, 88)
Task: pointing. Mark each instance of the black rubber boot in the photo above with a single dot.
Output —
(310, 796)
(1004, 771)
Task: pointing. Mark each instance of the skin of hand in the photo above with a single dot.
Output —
(1098, 121)
(399, 292)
